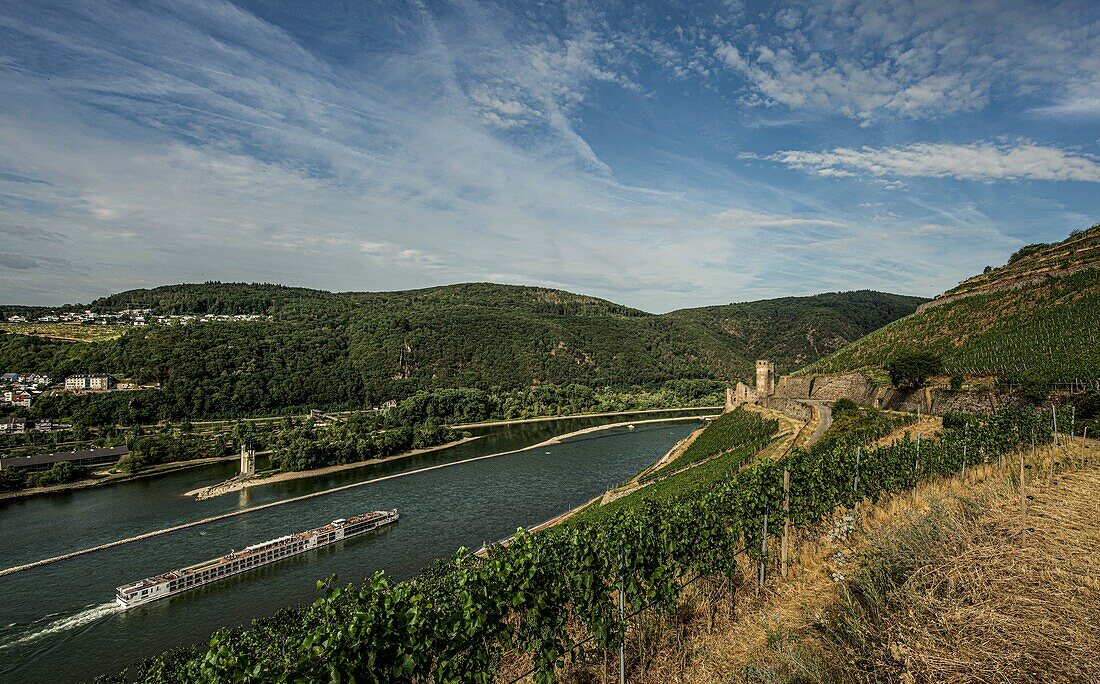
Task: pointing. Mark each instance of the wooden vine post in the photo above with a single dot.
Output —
(1023, 492)
(622, 621)
(1054, 422)
(762, 574)
(916, 469)
(965, 431)
(786, 520)
(855, 480)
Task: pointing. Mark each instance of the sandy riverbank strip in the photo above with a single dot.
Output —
(543, 419)
(238, 485)
(669, 455)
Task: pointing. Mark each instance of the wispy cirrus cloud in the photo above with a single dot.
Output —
(916, 59)
(975, 161)
(587, 144)
(745, 218)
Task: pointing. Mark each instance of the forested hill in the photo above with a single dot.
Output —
(793, 331)
(333, 350)
(1035, 319)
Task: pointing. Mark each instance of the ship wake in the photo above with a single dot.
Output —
(51, 624)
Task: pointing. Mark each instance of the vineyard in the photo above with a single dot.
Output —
(1048, 330)
(458, 620)
(727, 432)
(71, 332)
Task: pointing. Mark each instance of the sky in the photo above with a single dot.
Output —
(662, 155)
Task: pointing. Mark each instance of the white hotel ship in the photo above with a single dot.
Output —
(176, 581)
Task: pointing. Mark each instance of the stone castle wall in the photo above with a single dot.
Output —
(791, 407)
(860, 389)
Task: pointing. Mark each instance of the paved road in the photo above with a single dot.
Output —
(825, 419)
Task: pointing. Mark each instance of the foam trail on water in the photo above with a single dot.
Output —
(65, 624)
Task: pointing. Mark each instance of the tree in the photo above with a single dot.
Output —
(912, 370)
(844, 405)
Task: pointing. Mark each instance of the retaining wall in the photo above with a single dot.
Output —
(861, 389)
(790, 407)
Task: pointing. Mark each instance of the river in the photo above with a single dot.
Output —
(58, 622)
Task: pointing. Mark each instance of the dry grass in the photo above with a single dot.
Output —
(928, 427)
(1007, 596)
(956, 584)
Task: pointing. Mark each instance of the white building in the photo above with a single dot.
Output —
(89, 383)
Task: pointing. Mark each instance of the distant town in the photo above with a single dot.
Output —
(21, 390)
(134, 317)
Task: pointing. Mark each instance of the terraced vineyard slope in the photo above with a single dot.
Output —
(1035, 318)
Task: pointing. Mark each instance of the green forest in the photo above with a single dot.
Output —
(353, 350)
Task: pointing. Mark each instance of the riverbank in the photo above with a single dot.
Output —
(238, 485)
(542, 419)
(107, 478)
(789, 430)
(668, 456)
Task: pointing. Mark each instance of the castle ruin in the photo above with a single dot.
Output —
(765, 384)
(248, 461)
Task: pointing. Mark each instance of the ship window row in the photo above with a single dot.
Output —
(236, 565)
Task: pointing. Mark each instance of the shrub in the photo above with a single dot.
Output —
(842, 406)
(911, 371)
(1027, 251)
(12, 479)
(957, 382)
(59, 473)
(1031, 387)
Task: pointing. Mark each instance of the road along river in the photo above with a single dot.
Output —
(57, 622)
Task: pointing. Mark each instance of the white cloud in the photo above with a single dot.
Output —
(746, 218)
(918, 59)
(976, 161)
(161, 145)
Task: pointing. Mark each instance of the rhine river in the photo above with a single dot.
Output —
(59, 622)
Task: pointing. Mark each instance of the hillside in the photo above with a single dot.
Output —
(793, 331)
(323, 349)
(1035, 318)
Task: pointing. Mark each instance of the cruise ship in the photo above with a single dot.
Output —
(236, 562)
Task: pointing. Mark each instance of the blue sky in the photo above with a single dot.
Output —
(661, 155)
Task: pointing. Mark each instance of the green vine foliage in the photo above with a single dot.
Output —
(457, 620)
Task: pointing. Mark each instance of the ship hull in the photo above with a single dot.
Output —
(235, 563)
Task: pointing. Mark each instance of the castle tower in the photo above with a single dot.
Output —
(248, 461)
(765, 379)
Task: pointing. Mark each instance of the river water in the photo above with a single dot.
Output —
(58, 622)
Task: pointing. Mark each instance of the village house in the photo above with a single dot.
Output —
(13, 426)
(89, 383)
